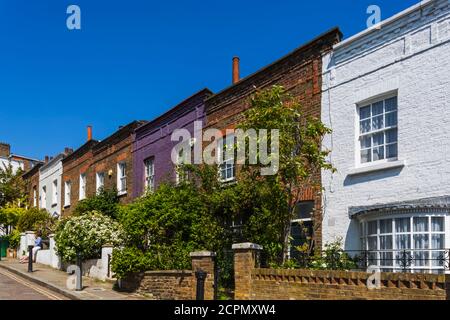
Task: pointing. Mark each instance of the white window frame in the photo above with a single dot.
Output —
(121, 178)
(67, 193)
(99, 181)
(414, 268)
(44, 197)
(35, 200)
(371, 133)
(149, 169)
(55, 192)
(82, 189)
(226, 160)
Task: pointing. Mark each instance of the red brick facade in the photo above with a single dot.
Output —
(31, 178)
(299, 73)
(77, 163)
(95, 157)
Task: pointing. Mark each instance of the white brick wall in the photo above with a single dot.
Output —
(412, 55)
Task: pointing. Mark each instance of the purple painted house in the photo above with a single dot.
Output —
(152, 144)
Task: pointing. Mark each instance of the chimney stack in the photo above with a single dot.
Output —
(235, 69)
(67, 151)
(89, 133)
(46, 159)
(5, 150)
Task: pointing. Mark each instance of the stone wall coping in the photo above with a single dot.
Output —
(168, 272)
(202, 254)
(29, 232)
(52, 235)
(393, 276)
(246, 245)
(107, 245)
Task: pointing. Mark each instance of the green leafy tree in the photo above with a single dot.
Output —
(12, 186)
(106, 202)
(300, 158)
(38, 220)
(9, 217)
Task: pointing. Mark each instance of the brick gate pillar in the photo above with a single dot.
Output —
(204, 260)
(244, 263)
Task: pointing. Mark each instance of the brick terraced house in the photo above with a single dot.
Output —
(31, 178)
(153, 146)
(112, 164)
(300, 73)
(76, 168)
(97, 165)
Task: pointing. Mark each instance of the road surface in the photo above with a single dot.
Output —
(14, 287)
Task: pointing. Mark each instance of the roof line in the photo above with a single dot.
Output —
(302, 47)
(382, 24)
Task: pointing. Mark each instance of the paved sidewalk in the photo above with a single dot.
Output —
(56, 280)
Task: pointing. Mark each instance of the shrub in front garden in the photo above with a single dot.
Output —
(86, 234)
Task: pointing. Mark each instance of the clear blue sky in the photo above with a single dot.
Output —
(135, 59)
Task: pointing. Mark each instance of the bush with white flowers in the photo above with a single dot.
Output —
(86, 234)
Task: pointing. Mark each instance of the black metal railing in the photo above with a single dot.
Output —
(393, 260)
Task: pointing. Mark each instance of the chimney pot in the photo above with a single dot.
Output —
(235, 69)
(89, 133)
(46, 159)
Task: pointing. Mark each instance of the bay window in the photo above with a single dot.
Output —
(415, 242)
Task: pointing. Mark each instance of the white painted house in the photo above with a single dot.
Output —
(386, 96)
(50, 179)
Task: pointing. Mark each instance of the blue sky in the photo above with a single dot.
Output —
(135, 59)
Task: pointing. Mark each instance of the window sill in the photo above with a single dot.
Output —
(377, 167)
(122, 193)
(66, 206)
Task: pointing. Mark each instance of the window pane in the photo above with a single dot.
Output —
(386, 226)
(372, 227)
(391, 151)
(377, 122)
(385, 242)
(403, 241)
(437, 241)
(366, 142)
(377, 108)
(420, 224)
(378, 153)
(391, 119)
(378, 139)
(421, 241)
(402, 225)
(364, 112)
(365, 126)
(391, 104)
(391, 136)
(437, 224)
(372, 243)
(366, 155)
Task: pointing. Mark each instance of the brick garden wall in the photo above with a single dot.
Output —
(282, 284)
(162, 285)
(174, 284)
(342, 285)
